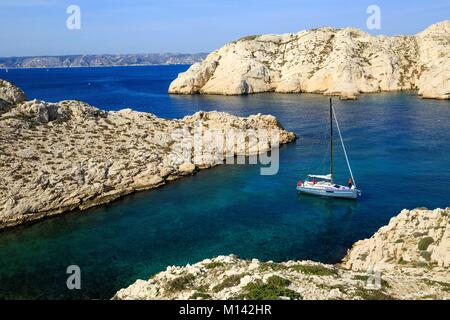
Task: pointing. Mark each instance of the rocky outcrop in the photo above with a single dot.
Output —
(57, 157)
(9, 95)
(342, 62)
(407, 259)
(413, 237)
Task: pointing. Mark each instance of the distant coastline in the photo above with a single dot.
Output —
(100, 60)
(2, 68)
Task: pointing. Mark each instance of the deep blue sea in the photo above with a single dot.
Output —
(398, 144)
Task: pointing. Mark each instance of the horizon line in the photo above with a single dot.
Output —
(100, 54)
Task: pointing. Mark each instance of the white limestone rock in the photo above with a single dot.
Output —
(343, 62)
(10, 94)
(399, 243)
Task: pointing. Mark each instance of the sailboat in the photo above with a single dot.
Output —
(323, 184)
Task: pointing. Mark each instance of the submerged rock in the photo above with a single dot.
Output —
(343, 62)
(371, 270)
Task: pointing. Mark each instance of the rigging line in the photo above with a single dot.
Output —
(343, 148)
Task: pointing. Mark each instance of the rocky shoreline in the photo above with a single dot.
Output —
(64, 156)
(407, 259)
(342, 62)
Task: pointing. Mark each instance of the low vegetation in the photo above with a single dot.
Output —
(316, 270)
(213, 265)
(180, 283)
(424, 243)
(199, 295)
(368, 294)
(274, 289)
(228, 282)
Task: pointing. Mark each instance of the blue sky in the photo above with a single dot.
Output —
(38, 27)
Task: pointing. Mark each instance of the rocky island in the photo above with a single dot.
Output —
(407, 259)
(342, 62)
(58, 157)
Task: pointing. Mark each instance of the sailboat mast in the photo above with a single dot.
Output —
(331, 141)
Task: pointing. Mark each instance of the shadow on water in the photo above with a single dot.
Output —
(327, 205)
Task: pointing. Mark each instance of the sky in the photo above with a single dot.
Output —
(38, 27)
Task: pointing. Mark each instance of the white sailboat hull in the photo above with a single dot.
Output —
(329, 192)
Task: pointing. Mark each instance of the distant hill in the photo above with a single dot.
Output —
(101, 60)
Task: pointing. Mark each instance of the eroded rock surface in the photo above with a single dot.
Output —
(57, 157)
(343, 62)
(390, 265)
(9, 95)
(414, 237)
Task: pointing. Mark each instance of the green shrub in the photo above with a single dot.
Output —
(213, 265)
(364, 256)
(199, 294)
(424, 243)
(278, 281)
(361, 277)
(272, 266)
(180, 283)
(228, 282)
(316, 270)
(272, 290)
(426, 255)
(366, 294)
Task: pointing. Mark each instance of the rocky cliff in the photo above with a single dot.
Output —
(407, 259)
(57, 157)
(342, 62)
(413, 237)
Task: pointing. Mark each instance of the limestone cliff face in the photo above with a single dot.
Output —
(413, 237)
(56, 157)
(407, 259)
(9, 95)
(342, 62)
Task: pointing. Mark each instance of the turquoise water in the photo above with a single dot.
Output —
(399, 146)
